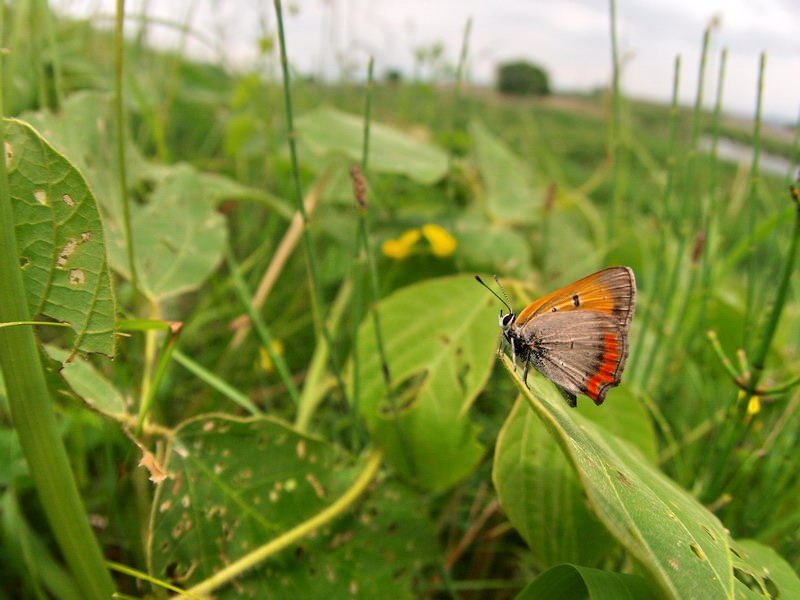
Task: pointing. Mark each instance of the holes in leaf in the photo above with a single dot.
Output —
(623, 480)
(761, 585)
(698, 552)
(709, 532)
(23, 262)
(77, 277)
(405, 394)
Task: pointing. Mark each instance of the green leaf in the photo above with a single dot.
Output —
(494, 250)
(682, 544)
(627, 418)
(60, 240)
(235, 484)
(326, 130)
(178, 236)
(509, 195)
(542, 497)
(84, 131)
(764, 571)
(94, 389)
(573, 582)
(440, 338)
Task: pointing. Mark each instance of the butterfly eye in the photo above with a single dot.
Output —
(506, 320)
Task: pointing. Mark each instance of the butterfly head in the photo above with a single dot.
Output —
(507, 320)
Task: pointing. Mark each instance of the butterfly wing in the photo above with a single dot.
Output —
(582, 352)
(611, 291)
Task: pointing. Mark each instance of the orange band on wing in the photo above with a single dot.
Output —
(606, 372)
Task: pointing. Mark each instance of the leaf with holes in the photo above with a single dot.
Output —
(178, 237)
(60, 240)
(326, 131)
(236, 484)
(684, 546)
(440, 338)
(762, 573)
(83, 130)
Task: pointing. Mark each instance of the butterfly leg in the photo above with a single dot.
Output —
(514, 354)
(525, 375)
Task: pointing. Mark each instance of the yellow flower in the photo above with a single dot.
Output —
(442, 243)
(266, 360)
(401, 247)
(754, 405)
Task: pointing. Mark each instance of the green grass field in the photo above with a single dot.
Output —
(256, 374)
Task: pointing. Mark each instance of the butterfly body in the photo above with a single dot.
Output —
(577, 336)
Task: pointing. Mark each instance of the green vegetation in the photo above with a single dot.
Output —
(305, 399)
(522, 78)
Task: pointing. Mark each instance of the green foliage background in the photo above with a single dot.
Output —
(683, 484)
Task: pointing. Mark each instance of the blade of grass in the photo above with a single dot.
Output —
(617, 155)
(261, 328)
(119, 109)
(215, 382)
(752, 266)
(311, 261)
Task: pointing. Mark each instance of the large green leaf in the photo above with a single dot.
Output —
(573, 582)
(440, 338)
(236, 484)
(60, 240)
(681, 543)
(509, 195)
(84, 132)
(326, 130)
(494, 250)
(542, 497)
(178, 237)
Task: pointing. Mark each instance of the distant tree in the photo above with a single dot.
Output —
(522, 79)
(393, 76)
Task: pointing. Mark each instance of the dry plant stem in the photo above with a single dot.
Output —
(325, 516)
(282, 254)
(471, 533)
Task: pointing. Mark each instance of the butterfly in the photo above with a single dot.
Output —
(577, 336)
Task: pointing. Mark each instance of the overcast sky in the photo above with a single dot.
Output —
(570, 38)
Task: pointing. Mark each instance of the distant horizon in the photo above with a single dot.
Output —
(570, 39)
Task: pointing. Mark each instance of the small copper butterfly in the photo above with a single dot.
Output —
(577, 336)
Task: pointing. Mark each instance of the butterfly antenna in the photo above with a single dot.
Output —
(508, 304)
(502, 289)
